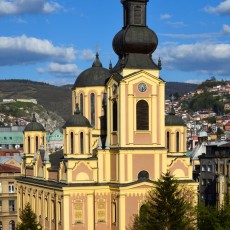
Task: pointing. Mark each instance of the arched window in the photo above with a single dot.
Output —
(81, 104)
(137, 15)
(143, 175)
(71, 142)
(81, 143)
(36, 143)
(177, 141)
(168, 140)
(92, 108)
(28, 144)
(142, 115)
(143, 210)
(11, 225)
(114, 116)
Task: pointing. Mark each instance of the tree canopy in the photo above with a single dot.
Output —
(166, 208)
(28, 219)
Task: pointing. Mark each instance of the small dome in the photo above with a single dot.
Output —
(77, 120)
(94, 76)
(172, 120)
(34, 126)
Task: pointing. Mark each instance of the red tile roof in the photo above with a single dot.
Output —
(9, 169)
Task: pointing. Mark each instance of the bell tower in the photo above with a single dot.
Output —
(135, 99)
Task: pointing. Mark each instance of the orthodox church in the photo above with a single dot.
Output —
(117, 143)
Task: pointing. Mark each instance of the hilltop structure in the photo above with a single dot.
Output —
(117, 143)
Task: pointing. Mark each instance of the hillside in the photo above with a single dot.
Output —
(58, 98)
(52, 98)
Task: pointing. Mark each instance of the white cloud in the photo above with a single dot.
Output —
(176, 24)
(165, 16)
(15, 7)
(25, 50)
(195, 81)
(203, 58)
(86, 54)
(223, 8)
(57, 69)
(226, 29)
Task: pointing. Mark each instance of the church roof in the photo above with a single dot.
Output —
(34, 126)
(77, 120)
(94, 76)
(173, 120)
(135, 42)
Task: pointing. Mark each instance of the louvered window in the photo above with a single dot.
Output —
(177, 142)
(114, 116)
(81, 143)
(142, 112)
(92, 99)
(168, 140)
(71, 142)
(81, 104)
(137, 15)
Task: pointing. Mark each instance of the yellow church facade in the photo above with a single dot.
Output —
(117, 143)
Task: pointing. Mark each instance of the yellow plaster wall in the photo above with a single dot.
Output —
(33, 135)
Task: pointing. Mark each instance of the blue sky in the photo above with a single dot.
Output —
(54, 41)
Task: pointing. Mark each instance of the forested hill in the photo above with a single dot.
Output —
(179, 87)
(58, 98)
(52, 98)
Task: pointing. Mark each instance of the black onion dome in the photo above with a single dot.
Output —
(135, 39)
(172, 120)
(94, 76)
(77, 120)
(34, 126)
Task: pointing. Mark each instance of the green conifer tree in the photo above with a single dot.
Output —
(28, 219)
(166, 208)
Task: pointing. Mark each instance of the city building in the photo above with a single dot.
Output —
(8, 196)
(214, 174)
(117, 143)
(11, 137)
(55, 140)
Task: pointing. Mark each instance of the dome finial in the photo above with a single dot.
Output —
(97, 62)
(34, 118)
(172, 110)
(77, 111)
(110, 65)
(159, 64)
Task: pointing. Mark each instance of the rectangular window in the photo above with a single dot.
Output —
(209, 168)
(0, 206)
(11, 187)
(204, 168)
(0, 187)
(204, 182)
(11, 206)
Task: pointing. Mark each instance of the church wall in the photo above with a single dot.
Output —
(33, 134)
(53, 176)
(182, 130)
(99, 94)
(29, 172)
(113, 166)
(82, 172)
(133, 204)
(144, 162)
